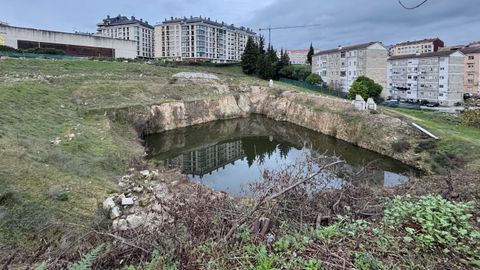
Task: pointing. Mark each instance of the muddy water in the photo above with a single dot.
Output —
(228, 155)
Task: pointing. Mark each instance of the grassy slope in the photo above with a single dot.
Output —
(42, 99)
(455, 137)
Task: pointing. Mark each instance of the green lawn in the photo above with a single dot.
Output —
(43, 99)
(454, 136)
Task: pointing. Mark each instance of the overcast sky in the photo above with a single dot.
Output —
(342, 22)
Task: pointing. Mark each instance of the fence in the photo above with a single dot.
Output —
(39, 56)
(317, 88)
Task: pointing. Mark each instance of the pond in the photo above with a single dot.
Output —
(228, 155)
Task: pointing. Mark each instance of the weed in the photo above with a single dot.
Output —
(366, 261)
(433, 222)
(401, 146)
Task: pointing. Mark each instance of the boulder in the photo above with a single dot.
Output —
(127, 201)
(134, 221)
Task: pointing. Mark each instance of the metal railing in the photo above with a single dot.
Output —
(317, 88)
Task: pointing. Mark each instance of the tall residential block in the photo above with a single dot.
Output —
(122, 27)
(340, 67)
(471, 69)
(200, 39)
(433, 77)
(417, 46)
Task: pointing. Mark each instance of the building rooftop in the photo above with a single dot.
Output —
(199, 19)
(468, 50)
(348, 48)
(413, 42)
(423, 55)
(122, 20)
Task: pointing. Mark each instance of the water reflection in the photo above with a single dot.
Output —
(228, 155)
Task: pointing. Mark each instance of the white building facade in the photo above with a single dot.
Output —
(121, 27)
(200, 39)
(340, 67)
(72, 44)
(433, 77)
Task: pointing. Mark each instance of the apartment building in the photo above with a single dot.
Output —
(200, 39)
(417, 46)
(122, 27)
(340, 67)
(433, 77)
(471, 69)
(297, 57)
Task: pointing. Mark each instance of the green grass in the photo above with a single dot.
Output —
(455, 137)
(43, 99)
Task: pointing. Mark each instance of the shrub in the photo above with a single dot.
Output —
(4, 48)
(433, 222)
(366, 261)
(427, 145)
(295, 72)
(314, 78)
(366, 88)
(401, 146)
(471, 118)
(45, 51)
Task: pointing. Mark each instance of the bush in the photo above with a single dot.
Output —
(366, 261)
(7, 49)
(58, 193)
(427, 145)
(401, 146)
(295, 72)
(365, 87)
(433, 222)
(314, 78)
(45, 51)
(471, 118)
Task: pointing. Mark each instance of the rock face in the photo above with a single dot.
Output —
(329, 116)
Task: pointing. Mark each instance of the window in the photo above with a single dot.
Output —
(471, 57)
(440, 86)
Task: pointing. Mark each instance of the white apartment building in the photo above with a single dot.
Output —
(200, 39)
(340, 67)
(417, 46)
(122, 27)
(433, 77)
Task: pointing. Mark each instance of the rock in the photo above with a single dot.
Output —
(270, 84)
(56, 141)
(120, 225)
(195, 75)
(138, 189)
(108, 203)
(127, 201)
(131, 169)
(145, 173)
(134, 221)
(115, 212)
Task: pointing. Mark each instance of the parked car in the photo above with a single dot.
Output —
(432, 104)
(391, 103)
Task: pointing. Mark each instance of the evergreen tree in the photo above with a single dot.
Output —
(284, 59)
(250, 57)
(311, 52)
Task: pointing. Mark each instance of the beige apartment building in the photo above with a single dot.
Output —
(417, 46)
(297, 57)
(122, 27)
(340, 67)
(200, 39)
(433, 77)
(471, 69)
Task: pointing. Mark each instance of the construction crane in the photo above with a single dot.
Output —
(283, 28)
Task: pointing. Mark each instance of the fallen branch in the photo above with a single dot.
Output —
(266, 198)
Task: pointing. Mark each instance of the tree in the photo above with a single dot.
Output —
(366, 88)
(284, 58)
(250, 57)
(314, 78)
(310, 53)
(268, 64)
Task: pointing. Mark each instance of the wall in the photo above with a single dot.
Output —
(11, 36)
